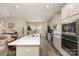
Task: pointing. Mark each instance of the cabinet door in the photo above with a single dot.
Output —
(57, 42)
(65, 11)
(74, 8)
(49, 37)
(27, 50)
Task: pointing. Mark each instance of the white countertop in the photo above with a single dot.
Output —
(27, 40)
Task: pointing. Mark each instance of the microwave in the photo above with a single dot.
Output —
(72, 27)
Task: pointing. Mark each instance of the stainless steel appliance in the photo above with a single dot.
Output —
(70, 44)
(70, 37)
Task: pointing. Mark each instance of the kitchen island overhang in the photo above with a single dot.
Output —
(27, 46)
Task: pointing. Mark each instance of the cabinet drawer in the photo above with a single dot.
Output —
(27, 50)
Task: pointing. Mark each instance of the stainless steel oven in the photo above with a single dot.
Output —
(70, 37)
(70, 44)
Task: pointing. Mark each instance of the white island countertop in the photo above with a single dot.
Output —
(27, 40)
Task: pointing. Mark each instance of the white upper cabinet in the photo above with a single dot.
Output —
(74, 8)
(65, 12)
(69, 10)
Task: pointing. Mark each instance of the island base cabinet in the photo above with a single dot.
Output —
(27, 51)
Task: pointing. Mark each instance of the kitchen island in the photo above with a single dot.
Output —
(27, 46)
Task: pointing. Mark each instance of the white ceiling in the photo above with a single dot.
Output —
(29, 11)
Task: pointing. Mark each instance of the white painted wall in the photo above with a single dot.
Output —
(35, 25)
(45, 28)
(19, 24)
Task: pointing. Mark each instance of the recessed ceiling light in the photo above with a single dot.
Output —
(17, 6)
(47, 6)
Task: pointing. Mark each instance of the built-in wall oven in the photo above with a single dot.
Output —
(70, 38)
(70, 44)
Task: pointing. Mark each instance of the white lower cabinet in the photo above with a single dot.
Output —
(27, 51)
(57, 42)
